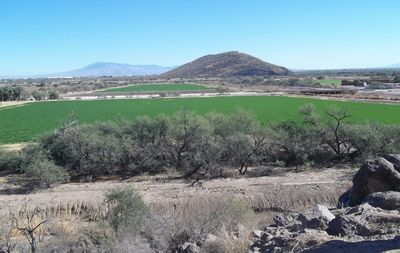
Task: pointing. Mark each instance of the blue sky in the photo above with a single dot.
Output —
(46, 36)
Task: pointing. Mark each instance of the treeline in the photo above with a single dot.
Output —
(295, 81)
(18, 93)
(198, 145)
(11, 93)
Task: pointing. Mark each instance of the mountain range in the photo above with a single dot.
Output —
(114, 69)
(394, 66)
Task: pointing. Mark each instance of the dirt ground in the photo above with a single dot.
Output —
(291, 190)
(12, 103)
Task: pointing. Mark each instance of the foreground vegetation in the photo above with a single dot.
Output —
(128, 224)
(22, 124)
(157, 87)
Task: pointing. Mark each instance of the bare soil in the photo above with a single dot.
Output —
(289, 191)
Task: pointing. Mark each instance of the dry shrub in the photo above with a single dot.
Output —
(52, 231)
(63, 227)
(172, 223)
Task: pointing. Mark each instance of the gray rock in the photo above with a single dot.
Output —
(284, 219)
(343, 225)
(374, 176)
(188, 247)
(325, 213)
(366, 221)
(211, 238)
(395, 160)
(389, 200)
(313, 222)
(282, 240)
(257, 233)
(210, 241)
(317, 218)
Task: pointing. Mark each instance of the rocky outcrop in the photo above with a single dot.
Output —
(351, 226)
(369, 220)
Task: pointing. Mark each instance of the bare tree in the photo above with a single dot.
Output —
(31, 224)
(329, 126)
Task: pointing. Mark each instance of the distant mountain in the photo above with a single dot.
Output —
(229, 64)
(114, 69)
(394, 66)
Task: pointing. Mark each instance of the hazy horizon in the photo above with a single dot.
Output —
(43, 37)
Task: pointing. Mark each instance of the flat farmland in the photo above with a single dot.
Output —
(157, 88)
(25, 122)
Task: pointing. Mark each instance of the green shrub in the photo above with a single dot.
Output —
(38, 95)
(46, 172)
(54, 94)
(9, 161)
(86, 151)
(127, 210)
(290, 143)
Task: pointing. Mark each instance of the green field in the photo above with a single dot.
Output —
(23, 123)
(157, 88)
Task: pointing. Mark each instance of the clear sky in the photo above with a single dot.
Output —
(46, 36)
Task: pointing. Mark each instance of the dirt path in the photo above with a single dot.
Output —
(12, 103)
(13, 147)
(155, 191)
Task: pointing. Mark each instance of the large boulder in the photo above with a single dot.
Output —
(377, 175)
(389, 200)
(334, 246)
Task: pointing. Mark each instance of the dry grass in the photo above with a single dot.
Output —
(88, 210)
(296, 198)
